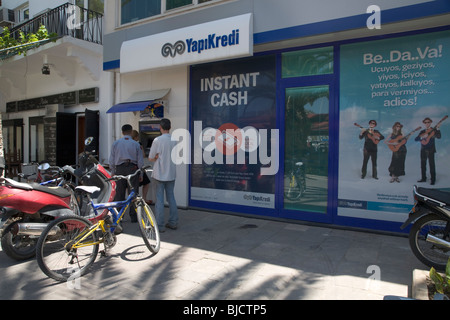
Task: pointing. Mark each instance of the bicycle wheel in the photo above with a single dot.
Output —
(55, 252)
(431, 254)
(148, 227)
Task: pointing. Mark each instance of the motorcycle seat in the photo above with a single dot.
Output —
(56, 191)
(439, 195)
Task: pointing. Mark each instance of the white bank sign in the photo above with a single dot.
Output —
(211, 41)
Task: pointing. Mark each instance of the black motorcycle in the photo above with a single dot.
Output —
(429, 236)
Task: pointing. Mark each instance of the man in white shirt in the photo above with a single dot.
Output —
(164, 174)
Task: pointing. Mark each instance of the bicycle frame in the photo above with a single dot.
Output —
(116, 216)
(112, 207)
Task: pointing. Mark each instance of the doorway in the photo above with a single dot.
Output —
(72, 129)
(306, 152)
(13, 145)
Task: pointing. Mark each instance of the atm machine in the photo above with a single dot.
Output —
(149, 124)
(148, 131)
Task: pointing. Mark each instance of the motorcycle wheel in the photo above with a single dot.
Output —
(18, 247)
(430, 254)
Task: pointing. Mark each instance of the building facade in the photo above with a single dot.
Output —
(271, 101)
(52, 88)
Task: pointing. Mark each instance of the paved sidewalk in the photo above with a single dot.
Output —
(215, 256)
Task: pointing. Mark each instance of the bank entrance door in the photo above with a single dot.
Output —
(306, 173)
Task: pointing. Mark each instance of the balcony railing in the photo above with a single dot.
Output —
(66, 20)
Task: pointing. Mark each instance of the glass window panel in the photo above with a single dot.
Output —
(306, 149)
(37, 153)
(172, 4)
(19, 140)
(96, 5)
(133, 10)
(307, 62)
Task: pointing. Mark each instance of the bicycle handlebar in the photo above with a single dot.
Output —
(128, 177)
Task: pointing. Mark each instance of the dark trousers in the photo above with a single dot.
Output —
(424, 156)
(372, 155)
(122, 185)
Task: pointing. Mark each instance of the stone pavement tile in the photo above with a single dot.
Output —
(216, 256)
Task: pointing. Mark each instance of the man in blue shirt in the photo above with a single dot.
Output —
(164, 173)
(126, 157)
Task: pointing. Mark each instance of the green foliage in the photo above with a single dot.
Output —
(25, 41)
(442, 283)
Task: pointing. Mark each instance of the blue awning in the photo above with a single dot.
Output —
(139, 101)
(129, 106)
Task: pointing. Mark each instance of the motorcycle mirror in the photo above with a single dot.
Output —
(88, 141)
(43, 166)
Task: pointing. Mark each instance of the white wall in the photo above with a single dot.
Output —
(38, 85)
(177, 111)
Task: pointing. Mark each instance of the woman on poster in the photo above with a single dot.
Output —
(397, 143)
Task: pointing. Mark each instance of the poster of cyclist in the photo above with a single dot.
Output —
(233, 106)
(394, 132)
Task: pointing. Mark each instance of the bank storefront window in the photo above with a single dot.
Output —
(385, 85)
(306, 149)
(234, 136)
(307, 62)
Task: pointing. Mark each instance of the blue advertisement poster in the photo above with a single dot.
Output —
(233, 125)
(394, 132)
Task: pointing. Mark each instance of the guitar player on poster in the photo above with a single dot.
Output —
(428, 149)
(396, 143)
(372, 138)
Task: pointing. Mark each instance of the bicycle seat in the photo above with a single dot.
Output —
(88, 189)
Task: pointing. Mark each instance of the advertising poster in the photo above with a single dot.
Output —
(233, 107)
(386, 85)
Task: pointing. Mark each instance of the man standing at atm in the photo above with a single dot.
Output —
(126, 157)
(164, 174)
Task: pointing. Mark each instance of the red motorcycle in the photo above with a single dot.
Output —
(27, 208)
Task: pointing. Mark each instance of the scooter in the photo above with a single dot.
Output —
(27, 208)
(92, 173)
(429, 236)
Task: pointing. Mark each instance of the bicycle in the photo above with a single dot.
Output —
(295, 182)
(69, 245)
